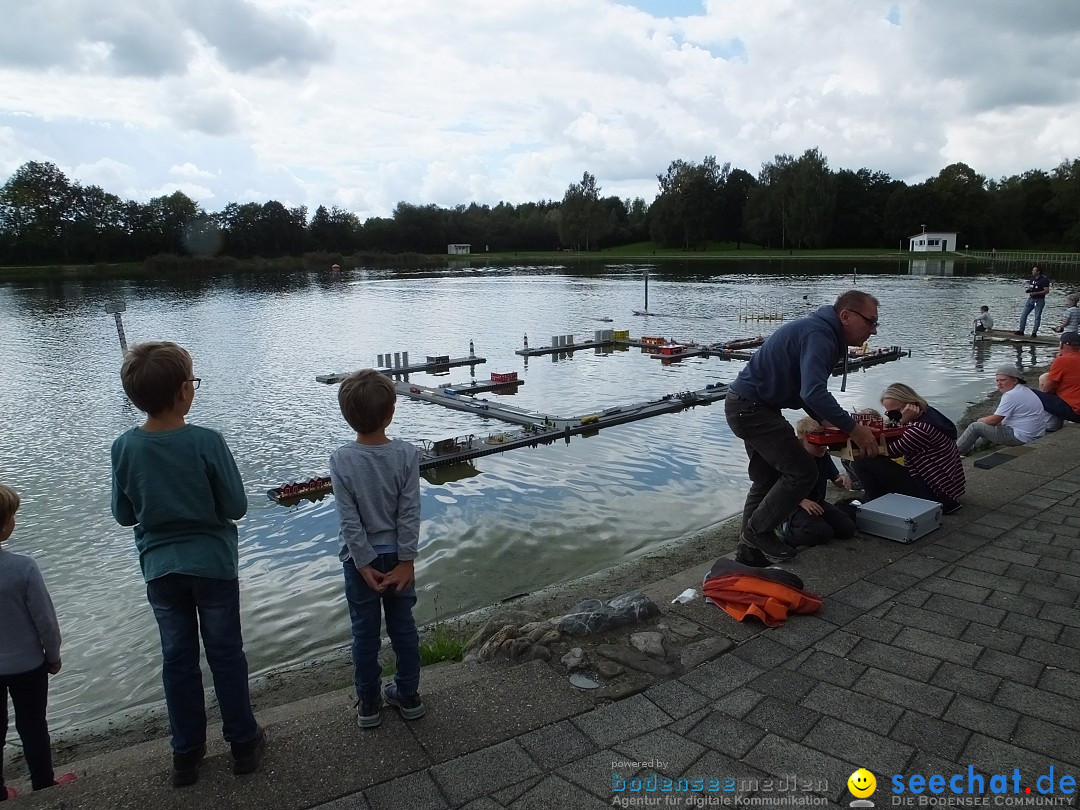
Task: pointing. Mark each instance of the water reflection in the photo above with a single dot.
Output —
(511, 523)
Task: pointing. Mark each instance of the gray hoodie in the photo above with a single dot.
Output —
(29, 632)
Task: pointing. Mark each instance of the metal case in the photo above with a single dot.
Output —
(898, 517)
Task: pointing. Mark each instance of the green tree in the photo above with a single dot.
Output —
(582, 218)
(687, 210)
(36, 207)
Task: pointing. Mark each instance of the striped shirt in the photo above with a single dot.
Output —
(932, 456)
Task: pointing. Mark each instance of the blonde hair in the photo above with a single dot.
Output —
(806, 425)
(905, 394)
(9, 503)
(153, 374)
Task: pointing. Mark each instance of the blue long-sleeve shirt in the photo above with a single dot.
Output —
(792, 368)
(181, 491)
(29, 632)
(377, 490)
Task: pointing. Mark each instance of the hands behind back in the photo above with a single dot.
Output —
(400, 576)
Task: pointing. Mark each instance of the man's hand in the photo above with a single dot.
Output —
(373, 577)
(54, 667)
(842, 481)
(865, 440)
(400, 576)
(811, 507)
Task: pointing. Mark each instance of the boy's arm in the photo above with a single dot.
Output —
(122, 509)
(408, 515)
(226, 483)
(353, 534)
(43, 614)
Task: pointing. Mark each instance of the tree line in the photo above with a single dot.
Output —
(792, 203)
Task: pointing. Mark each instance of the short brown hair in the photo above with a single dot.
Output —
(152, 374)
(367, 400)
(9, 503)
(852, 299)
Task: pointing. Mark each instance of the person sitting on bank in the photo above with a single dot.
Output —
(1060, 394)
(984, 322)
(932, 467)
(1018, 419)
(1070, 318)
(1037, 288)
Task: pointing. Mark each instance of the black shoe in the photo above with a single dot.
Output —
(369, 711)
(185, 766)
(247, 755)
(1018, 332)
(771, 545)
(748, 555)
(410, 706)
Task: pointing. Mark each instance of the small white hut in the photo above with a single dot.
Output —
(932, 242)
(458, 250)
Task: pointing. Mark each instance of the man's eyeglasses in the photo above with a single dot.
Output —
(871, 322)
(195, 382)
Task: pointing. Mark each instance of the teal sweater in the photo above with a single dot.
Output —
(181, 491)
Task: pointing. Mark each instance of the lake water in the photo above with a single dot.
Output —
(514, 523)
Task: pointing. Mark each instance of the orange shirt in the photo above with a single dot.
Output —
(1065, 371)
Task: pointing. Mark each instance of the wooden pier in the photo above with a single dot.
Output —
(413, 368)
(873, 358)
(1007, 336)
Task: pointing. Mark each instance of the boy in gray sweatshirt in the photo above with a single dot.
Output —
(29, 654)
(377, 488)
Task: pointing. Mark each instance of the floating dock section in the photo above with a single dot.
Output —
(434, 364)
(1005, 336)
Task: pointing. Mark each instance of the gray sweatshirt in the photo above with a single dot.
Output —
(377, 489)
(29, 632)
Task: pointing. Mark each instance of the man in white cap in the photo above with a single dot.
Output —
(1018, 419)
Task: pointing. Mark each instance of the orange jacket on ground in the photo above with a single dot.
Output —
(768, 594)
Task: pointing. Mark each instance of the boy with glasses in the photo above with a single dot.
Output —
(178, 485)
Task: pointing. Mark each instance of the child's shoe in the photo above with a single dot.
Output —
(247, 755)
(410, 706)
(185, 766)
(9, 793)
(65, 779)
(369, 711)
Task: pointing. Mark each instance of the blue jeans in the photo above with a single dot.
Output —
(184, 605)
(365, 611)
(1036, 304)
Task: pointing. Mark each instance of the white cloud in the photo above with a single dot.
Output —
(364, 104)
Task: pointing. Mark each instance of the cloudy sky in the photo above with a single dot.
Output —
(362, 103)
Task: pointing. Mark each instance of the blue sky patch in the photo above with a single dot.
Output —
(669, 8)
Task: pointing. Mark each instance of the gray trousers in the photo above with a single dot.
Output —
(781, 472)
(979, 435)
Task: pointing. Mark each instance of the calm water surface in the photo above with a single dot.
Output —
(510, 523)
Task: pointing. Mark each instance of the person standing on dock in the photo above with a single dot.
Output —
(791, 370)
(1037, 288)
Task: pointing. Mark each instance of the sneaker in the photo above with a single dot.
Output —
(410, 706)
(369, 711)
(1018, 332)
(769, 544)
(1034, 334)
(9, 793)
(65, 779)
(185, 767)
(248, 755)
(748, 555)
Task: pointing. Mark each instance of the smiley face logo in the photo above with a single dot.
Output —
(861, 783)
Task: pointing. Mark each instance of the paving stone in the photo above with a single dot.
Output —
(1033, 702)
(1023, 573)
(832, 669)
(1060, 614)
(851, 743)
(416, 790)
(784, 684)
(983, 579)
(1049, 739)
(943, 553)
(675, 698)
(1068, 582)
(505, 796)
(1028, 536)
(698, 652)
(1053, 558)
(714, 765)
(482, 772)
(982, 685)
(916, 565)
(783, 718)
(557, 744)
(993, 637)
(777, 756)
(484, 803)
(740, 702)
(853, 707)
(594, 773)
(1051, 654)
(875, 629)
(762, 653)
(984, 530)
(937, 646)
(864, 595)
(1070, 636)
(635, 659)
(941, 737)
(956, 589)
(889, 578)
(1009, 555)
(986, 718)
(618, 721)
(670, 753)
(356, 801)
(1049, 594)
(685, 725)
(1014, 603)
(800, 634)
(556, 792)
(1062, 682)
(908, 616)
(949, 606)
(999, 520)
(913, 596)
(987, 564)
(894, 659)
(726, 734)
(903, 691)
(720, 676)
(838, 642)
(1010, 666)
(963, 541)
(839, 613)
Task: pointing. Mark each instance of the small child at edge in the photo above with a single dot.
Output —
(377, 487)
(178, 485)
(29, 654)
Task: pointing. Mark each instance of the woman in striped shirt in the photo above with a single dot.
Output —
(932, 467)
